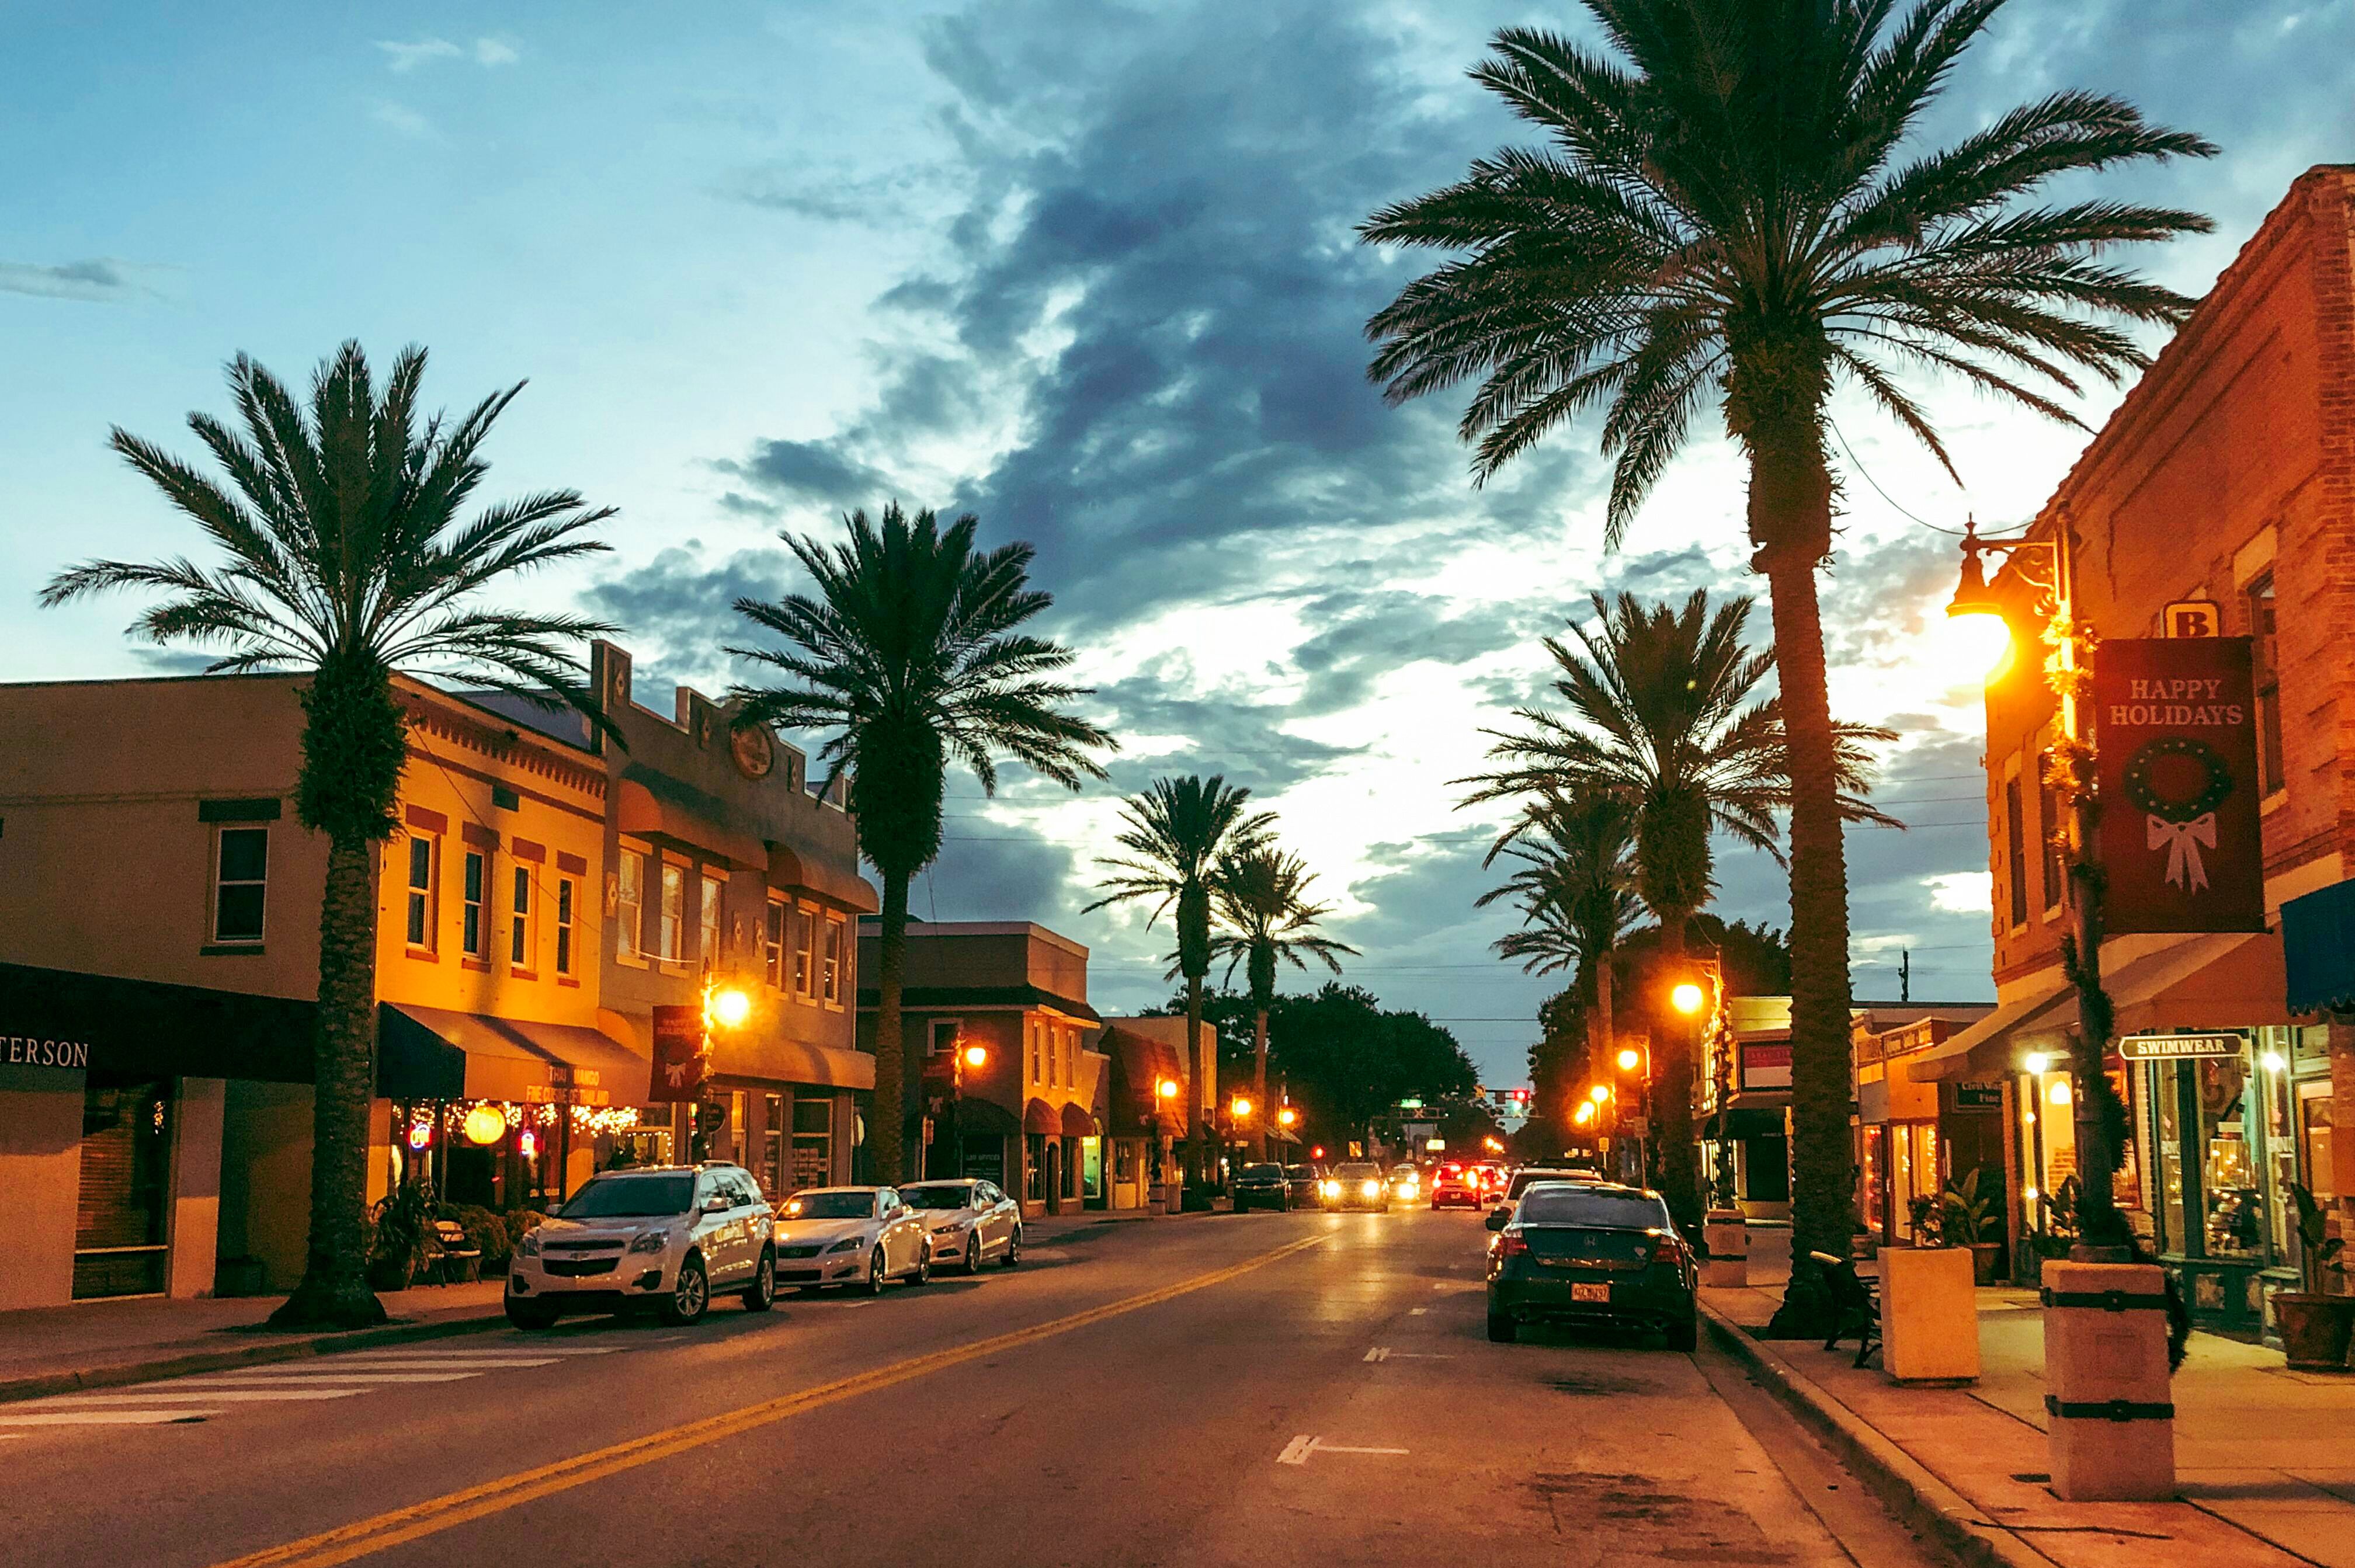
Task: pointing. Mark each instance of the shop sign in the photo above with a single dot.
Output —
(2175, 733)
(1766, 1065)
(2168, 1047)
(679, 1062)
(32, 1051)
(1978, 1096)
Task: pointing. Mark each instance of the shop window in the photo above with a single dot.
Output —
(772, 946)
(519, 934)
(424, 861)
(568, 895)
(1034, 1166)
(240, 875)
(2015, 852)
(813, 1142)
(711, 912)
(944, 1033)
(630, 921)
(2315, 1121)
(1872, 1193)
(773, 1143)
(2265, 649)
(673, 914)
(805, 960)
(830, 978)
(2235, 1224)
(121, 1221)
(473, 936)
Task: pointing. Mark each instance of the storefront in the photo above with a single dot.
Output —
(1915, 1139)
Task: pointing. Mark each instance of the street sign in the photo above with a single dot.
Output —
(1410, 1104)
(2176, 1047)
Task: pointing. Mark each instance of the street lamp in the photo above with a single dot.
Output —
(2103, 1235)
(1629, 1058)
(1600, 1094)
(724, 1007)
(1688, 997)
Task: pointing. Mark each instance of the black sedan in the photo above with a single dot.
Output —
(1590, 1253)
(1266, 1185)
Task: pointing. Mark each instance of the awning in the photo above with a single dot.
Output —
(2318, 948)
(1138, 1065)
(977, 1118)
(2224, 981)
(69, 1021)
(809, 874)
(1038, 1117)
(750, 1054)
(1077, 1123)
(428, 1053)
(653, 807)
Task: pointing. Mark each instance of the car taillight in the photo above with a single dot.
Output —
(1511, 1243)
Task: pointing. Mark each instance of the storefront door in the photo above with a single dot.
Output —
(120, 1241)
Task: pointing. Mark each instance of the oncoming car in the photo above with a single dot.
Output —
(1406, 1183)
(667, 1237)
(852, 1235)
(1591, 1252)
(1357, 1184)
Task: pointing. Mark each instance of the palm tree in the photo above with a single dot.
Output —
(910, 653)
(1174, 834)
(1575, 888)
(342, 556)
(1261, 895)
(1666, 718)
(1720, 215)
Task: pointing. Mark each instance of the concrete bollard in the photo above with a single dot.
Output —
(1929, 1314)
(1727, 1235)
(2109, 1412)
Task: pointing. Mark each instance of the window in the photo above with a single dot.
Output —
(2267, 653)
(831, 975)
(240, 871)
(519, 935)
(1054, 1057)
(944, 1033)
(1038, 1074)
(805, 967)
(568, 898)
(707, 951)
(674, 914)
(473, 940)
(424, 857)
(773, 1134)
(772, 946)
(2015, 847)
(630, 925)
(2048, 823)
(813, 1141)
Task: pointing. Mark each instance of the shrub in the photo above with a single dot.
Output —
(486, 1233)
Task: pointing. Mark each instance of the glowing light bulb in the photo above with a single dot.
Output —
(2059, 1093)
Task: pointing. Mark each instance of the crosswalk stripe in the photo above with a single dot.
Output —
(101, 1418)
(170, 1396)
(458, 1353)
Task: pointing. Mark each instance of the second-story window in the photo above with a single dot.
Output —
(672, 949)
(630, 923)
(2015, 847)
(772, 946)
(709, 914)
(567, 896)
(830, 974)
(240, 881)
(2265, 649)
(519, 935)
(424, 861)
(2048, 825)
(804, 958)
(473, 932)
(1037, 1072)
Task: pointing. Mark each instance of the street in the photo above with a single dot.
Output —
(1296, 1390)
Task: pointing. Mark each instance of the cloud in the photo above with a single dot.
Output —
(814, 472)
(404, 57)
(1961, 892)
(98, 280)
(406, 120)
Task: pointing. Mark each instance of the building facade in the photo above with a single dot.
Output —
(1913, 1139)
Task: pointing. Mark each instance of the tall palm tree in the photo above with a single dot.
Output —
(910, 653)
(1575, 888)
(1261, 895)
(1664, 715)
(343, 555)
(1727, 211)
(1174, 833)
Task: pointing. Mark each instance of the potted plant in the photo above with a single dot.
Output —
(403, 1220)
(1968, 1216)
(2315, 1325)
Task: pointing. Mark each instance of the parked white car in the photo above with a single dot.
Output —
(972, 1222)
(666, 1237)
(852, 1235)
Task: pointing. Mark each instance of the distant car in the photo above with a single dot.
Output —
(1493, 1176)
(1406, 1183)
(1590, 1253)
(1356, 1185)
(1529, 1173)
(1263, 1185)
(852, 1235)
(969, 1222)
(1459, 1186)
(664, 1237)
(1300, 1182)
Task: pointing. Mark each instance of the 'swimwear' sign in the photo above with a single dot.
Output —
(2175, 729)
(2166, 1047)
(30, 1050)
(679, 1054)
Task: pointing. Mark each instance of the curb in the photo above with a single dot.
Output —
(116, 1374)
(1911, 1490)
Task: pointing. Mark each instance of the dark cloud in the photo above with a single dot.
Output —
(811, 471)
(94, 280)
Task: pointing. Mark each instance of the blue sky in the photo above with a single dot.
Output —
(1085, 268)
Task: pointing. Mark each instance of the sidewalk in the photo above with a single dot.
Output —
(98, 1344)
(2266, 1456)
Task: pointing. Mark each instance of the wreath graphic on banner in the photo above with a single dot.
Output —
(2181, 828)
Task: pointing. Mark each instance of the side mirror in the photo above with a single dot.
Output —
(1499, 1217)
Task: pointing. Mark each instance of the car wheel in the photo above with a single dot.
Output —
(531, 1315)
(873, 1284)
(924, 1274)
(762, 1294)
(690, 1296)
(1013, 1258)
(1685, 1336)
(1502, 1329)
(971, 1263)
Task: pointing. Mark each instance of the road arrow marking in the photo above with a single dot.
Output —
(1378, 1353)
(1296, 1452)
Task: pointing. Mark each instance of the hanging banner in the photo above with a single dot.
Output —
(679, 1054)
(2175, 733)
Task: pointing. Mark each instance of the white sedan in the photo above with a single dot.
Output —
(972, 1222)
(852, 1235)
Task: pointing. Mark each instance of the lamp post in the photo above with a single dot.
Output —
(1629, 1060)
(962, 1058)
(1239, 1112)
(2102, 1232)
(1689, 997)
(724, 1007)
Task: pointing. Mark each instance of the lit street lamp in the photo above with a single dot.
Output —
(1688, 997)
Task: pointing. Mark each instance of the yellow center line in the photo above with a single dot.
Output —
(405, 1524)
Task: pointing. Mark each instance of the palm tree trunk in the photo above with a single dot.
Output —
(333, 1291)
(1672, 1095)
(1199, 1074)
(890, 1131)
(1259, 1083)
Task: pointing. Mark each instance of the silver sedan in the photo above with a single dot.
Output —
(970, 1222)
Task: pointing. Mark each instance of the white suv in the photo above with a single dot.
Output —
(667, 1236)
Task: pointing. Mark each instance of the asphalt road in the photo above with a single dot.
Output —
(1298, 1390)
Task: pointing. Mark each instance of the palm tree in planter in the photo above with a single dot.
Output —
(1664, 717)
(910, 653)
(1261, 895)
(344, 554)
(1727, 211)
(1174, 834)
(1575, 887)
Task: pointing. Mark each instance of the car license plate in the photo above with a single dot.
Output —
(1590, 1293)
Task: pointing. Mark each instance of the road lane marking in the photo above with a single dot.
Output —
(1416, 1311)
(1321, 1446)
(169, 1396)
(1299, 1450)
(1378, 1353)
(283, 1379)
(103, 1418)
(471, 1353)
(362, 1537)
(438, 1363)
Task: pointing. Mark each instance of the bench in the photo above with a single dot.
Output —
(462, 1262)
(1856, 1306)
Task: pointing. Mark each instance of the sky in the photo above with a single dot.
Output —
(1085, 269)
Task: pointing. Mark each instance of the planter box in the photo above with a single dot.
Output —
(1727, 1236)
(1929, 1314)
(2109, 1414)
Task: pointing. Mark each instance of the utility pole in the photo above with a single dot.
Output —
(1905, 974)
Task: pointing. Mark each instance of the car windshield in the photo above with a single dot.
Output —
(631, 1196)
(1355, 1172)
(830, 1206)
(1600, 1207)
(1522, 1181)
(1264, 1172)
(956, 1195)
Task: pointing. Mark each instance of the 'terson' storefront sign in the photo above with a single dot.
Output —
(30, 1050)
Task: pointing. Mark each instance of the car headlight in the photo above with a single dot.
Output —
(952, 1227)
(1329, 1189)
(528, 1247)
(650, 1241)
(847, 1244)
(1373, 1190)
